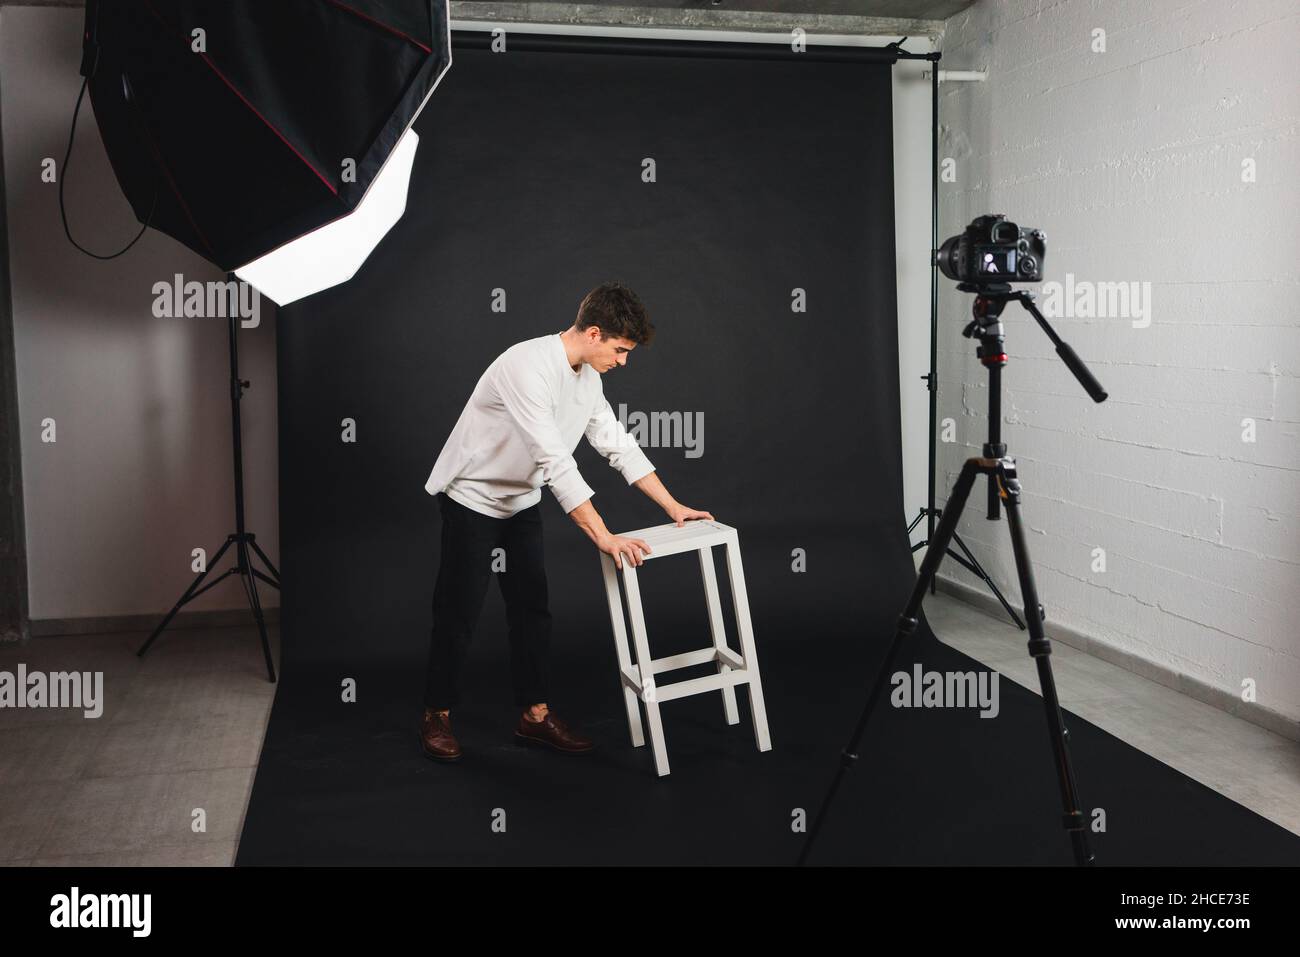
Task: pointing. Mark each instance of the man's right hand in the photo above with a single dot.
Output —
(616, 546)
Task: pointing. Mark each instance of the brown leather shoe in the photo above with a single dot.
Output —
(436, 737)
(553, 733)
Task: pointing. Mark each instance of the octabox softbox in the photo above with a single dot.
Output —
(237, 126)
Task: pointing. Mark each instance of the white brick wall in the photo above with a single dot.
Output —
(1131, 161)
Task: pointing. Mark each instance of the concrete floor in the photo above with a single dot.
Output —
(1251, 765)
(182, 730)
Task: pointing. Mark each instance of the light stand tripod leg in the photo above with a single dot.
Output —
(189, 594)
(915, 522)
(267, 578)
(275, 572)
(250, 583)
(1041, 649)
(216, 581)
(978, 569)
(907, 623)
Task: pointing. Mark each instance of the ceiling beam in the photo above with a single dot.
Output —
(701, 18)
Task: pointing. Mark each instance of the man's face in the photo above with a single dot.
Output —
(605, 354)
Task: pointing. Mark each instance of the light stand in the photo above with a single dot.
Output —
(241, 538)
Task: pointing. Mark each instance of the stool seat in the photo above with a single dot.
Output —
(732, 668)
(670, 539)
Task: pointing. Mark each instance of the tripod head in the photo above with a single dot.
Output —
(986, 325)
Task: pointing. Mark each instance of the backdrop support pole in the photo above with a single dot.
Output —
(932, 377)
(241, 538)
(930, 511)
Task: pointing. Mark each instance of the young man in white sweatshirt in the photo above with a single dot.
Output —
(517, 433)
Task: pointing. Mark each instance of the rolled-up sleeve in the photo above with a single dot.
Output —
(608, 437)
(524, 393)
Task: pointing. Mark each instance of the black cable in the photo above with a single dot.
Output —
(63, 175)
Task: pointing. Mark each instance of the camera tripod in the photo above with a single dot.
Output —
(1003, 488)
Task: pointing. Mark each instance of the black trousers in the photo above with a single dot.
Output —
(469, 560)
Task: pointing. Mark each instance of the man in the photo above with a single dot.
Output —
(518, 432)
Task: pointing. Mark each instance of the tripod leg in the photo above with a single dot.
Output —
(978, 569)
(907, 623)
(187, 596)
(251, 584)
(939, 514)
(1041, 649)
(232, 570)
(262, 555)
(267, 578)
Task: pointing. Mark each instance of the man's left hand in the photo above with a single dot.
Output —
(680, 514)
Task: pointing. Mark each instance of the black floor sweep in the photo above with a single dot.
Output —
(769, 179)
(347, 784)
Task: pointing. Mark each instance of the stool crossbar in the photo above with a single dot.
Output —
(733, 669)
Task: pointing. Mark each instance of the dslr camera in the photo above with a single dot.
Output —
(993, 250)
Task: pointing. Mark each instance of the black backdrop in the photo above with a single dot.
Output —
(770, 176)
(536, 189)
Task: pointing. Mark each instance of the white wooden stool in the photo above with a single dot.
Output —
(732, 669)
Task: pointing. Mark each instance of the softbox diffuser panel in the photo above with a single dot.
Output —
(333, 253)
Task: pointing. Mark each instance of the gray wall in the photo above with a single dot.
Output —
(140, 473)
(1131, 159)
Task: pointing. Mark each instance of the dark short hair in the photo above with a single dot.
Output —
(616, 311)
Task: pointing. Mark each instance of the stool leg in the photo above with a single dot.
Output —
(719, 631)
(646, 665)
(620, 646)
(740, 599)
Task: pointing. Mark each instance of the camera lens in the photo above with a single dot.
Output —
(947, 259)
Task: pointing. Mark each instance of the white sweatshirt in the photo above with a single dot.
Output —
(519, 429)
